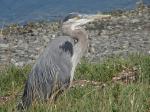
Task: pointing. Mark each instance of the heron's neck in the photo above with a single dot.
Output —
(79, 34)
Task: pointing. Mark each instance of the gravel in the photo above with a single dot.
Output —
(124, 33)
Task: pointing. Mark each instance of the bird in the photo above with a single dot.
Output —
(53, 71)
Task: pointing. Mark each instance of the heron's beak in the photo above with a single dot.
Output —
(96, 17)
(84, 19)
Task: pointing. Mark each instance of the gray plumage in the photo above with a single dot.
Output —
(50, 72)
(54, 70)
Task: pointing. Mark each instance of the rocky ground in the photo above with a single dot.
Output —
(123, 33)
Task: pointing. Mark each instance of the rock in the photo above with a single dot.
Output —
(53, 36)
(4, 45)
(46, 39)
(91, 50)
(19, 64)
(35, 32)
(135, 20)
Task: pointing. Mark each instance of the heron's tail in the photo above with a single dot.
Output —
(26, 99)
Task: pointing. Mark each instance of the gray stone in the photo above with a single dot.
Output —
(4, 45)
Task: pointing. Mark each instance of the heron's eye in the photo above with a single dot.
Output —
(76, 40)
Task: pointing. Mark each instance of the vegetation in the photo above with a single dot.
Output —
(110, 96)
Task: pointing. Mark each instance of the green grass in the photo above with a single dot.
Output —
(113, 97)
(12, 79)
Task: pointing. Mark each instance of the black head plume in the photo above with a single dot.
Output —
(71, 16)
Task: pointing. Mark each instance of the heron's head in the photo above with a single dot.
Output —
(76, 20)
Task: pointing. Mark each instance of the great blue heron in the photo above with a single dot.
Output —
(54, 69)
